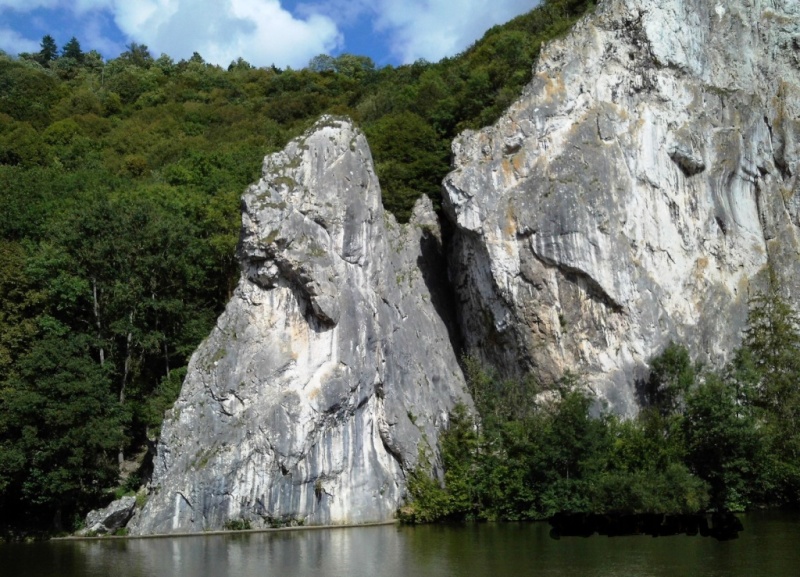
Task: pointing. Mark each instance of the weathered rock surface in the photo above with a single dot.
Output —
(635, 193)
(331, 365)
(109, 519)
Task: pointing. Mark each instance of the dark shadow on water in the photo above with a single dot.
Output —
(721, 526)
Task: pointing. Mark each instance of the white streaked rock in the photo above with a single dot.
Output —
(331, 365)
(635, 192)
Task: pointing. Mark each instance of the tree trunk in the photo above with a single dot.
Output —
(58, 525)
(98, 324)
(166, 350)
(125, 372)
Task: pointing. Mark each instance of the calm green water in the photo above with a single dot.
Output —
(769, 546)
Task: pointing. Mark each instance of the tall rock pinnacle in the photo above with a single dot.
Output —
(330, 369)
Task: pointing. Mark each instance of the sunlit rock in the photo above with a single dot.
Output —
(634, 194)
(331, 367)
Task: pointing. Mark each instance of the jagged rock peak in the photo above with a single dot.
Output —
(332, 366)
(635, 193)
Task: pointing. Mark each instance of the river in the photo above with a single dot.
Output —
(769, 546)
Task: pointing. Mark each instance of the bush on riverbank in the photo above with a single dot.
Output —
(704, 441)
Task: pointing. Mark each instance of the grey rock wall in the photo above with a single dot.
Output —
(634, 194)
(331, 366)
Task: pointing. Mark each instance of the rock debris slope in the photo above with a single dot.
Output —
(635, 193)
(330, 367)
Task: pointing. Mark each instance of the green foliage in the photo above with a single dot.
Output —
(411, 160)
(349, 65)
(515, 463)
(766, 374)
(72, 49)
(28, 92)
(536, 451)
(49, 50)
(237, 525)
(108, 295)
(773, 341)
(673, 490)
(671, 376)
(20, 304)
(137, 55)
(21, 145)
(723, 444)
(431, 502)
(322, 63)
(59, 427)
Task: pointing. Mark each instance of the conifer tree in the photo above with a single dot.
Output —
(773, 338)
(72, 49)
(772, 342)
(49, 51)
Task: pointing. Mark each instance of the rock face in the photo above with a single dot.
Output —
(108, 520)
(635, 193)
(331, 367)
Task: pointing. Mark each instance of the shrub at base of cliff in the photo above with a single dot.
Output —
(672, 491)
(456, 498)
(237, 525)
(703, 442)
(430, 501)
(706, 442)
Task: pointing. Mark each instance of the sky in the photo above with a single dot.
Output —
(263, 32)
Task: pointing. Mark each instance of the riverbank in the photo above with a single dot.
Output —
(221, 532)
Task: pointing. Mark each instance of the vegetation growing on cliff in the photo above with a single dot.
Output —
(704, 441)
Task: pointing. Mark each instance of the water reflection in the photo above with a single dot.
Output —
(770, 545)
(339, 552)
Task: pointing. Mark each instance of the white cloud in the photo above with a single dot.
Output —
(429, 29)
(13, 43)
(27, 5)
(260, 31)
(433, 29)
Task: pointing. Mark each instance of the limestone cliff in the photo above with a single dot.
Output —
(632, 196)
(331, 365)
(635, 193)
